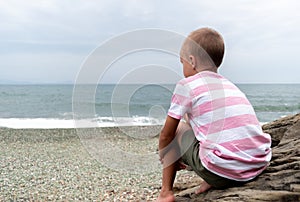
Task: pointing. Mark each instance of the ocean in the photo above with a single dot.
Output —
(50, 106)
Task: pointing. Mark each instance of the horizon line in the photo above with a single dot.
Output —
(69, 83)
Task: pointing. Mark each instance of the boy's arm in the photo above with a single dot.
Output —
(167, 135)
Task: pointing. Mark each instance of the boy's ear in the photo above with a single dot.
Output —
(193, 61)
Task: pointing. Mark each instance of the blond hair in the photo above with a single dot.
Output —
(207, 45)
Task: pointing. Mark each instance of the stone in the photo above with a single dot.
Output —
(279, 182)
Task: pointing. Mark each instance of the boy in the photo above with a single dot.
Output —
(221, 139)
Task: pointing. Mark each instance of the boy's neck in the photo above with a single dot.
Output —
(211, 69)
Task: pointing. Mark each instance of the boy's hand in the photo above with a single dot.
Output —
(161, 160)
(181, 165)
(161, 156)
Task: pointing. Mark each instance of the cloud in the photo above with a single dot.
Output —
(40, 68)
(257, 33)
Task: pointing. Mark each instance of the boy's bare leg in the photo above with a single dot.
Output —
(171, 165)
(203, 188)
(169, 173)
(182, 128)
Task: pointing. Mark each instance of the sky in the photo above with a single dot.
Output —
(48, 41)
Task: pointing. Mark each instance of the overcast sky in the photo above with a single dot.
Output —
(47, 41)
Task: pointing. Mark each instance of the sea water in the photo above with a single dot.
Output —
(52, 106)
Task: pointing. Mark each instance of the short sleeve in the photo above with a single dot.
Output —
(181, 101)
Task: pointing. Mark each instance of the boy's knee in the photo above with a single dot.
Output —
(181, 129)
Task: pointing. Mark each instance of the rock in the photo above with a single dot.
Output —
(279, 182)
(279, 127)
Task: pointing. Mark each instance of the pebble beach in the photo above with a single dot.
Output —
(54, 165)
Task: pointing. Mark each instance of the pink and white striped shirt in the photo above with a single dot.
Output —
(232, 143)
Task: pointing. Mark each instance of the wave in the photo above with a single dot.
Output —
(51, 123)
(277, 108)
(13, 94)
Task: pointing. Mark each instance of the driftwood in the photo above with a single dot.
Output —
(279, 182)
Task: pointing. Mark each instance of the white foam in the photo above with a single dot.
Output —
(36, 123)
(48, 123)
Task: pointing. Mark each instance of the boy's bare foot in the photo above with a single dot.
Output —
(203, 188)
(166, 196)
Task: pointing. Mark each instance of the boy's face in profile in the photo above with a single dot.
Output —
(186, 60)
(188, 69)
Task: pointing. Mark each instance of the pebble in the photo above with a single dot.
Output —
(42, 165)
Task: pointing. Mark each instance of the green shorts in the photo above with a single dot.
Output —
(190, 156)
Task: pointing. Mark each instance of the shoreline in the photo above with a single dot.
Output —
(99, 122)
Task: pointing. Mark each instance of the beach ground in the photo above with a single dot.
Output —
(54, 165)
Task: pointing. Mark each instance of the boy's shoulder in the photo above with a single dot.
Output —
(204, 77)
